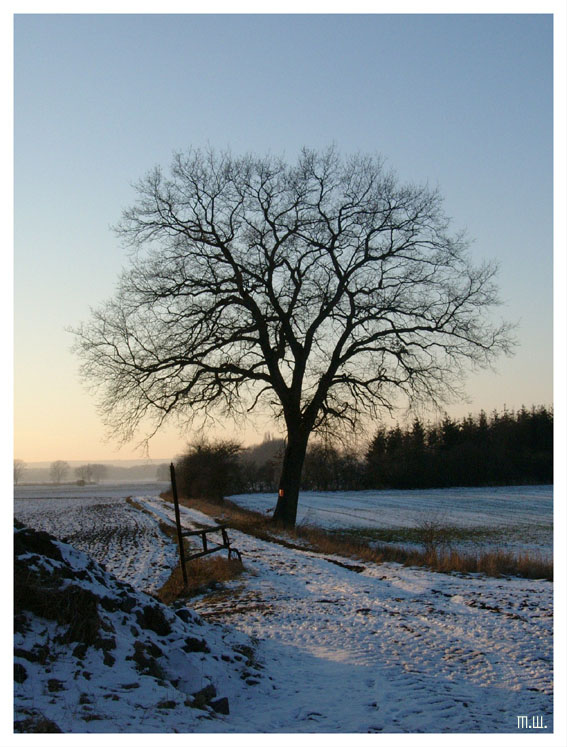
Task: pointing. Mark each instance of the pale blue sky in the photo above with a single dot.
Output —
(463, 102)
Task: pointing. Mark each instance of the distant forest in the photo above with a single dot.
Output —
(499, 449)
(503, 448)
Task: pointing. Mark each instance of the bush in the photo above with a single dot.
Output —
(434, 533)
(210, 470)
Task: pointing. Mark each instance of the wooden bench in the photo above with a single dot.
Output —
(197, 533)
(215, 547)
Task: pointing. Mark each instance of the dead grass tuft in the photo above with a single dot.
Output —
(203, 574)
(435, 555)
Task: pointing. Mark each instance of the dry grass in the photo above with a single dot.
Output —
(353, 545)
(203, 574)
(491, 563)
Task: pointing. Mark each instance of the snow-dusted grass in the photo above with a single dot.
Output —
(516, 518)
(372, 647)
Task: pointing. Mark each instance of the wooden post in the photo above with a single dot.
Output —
(178, 522)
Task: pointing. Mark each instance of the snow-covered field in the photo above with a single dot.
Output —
(101, 490)
(514, 518)
(342, 648)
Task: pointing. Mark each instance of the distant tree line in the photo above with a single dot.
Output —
(89, 473)
(19, 469)
(61, 472)
(58, 471)
(503, 448)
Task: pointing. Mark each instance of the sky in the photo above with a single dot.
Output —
(461, 102)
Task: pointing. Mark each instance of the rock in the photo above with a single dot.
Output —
(127, 602)
(203, 697)
(30, 541)
(109, 604)
(193, 645)
(145, 662)
(153, 649)
(106, 644)
(220, 706)
(20, 673)
(152, 618)
(184, 615)
(36, 724)
(167, 704)
(55, 686)
(80, 650)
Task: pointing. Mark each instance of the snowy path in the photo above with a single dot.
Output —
(390, 648)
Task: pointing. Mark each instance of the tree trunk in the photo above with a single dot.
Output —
(290, 479)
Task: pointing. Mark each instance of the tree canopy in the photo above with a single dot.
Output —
(323, 290)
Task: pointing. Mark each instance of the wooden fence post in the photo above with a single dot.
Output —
(178, 522)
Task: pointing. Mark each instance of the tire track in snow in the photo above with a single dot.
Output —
(409, 649)
(454, 647)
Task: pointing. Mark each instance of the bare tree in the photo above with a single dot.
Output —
(83, 473)
(91, 472)
(98, 472)
(58, 470)
(210, 470)
(19, 469)
(162, 473)
(325, 290)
